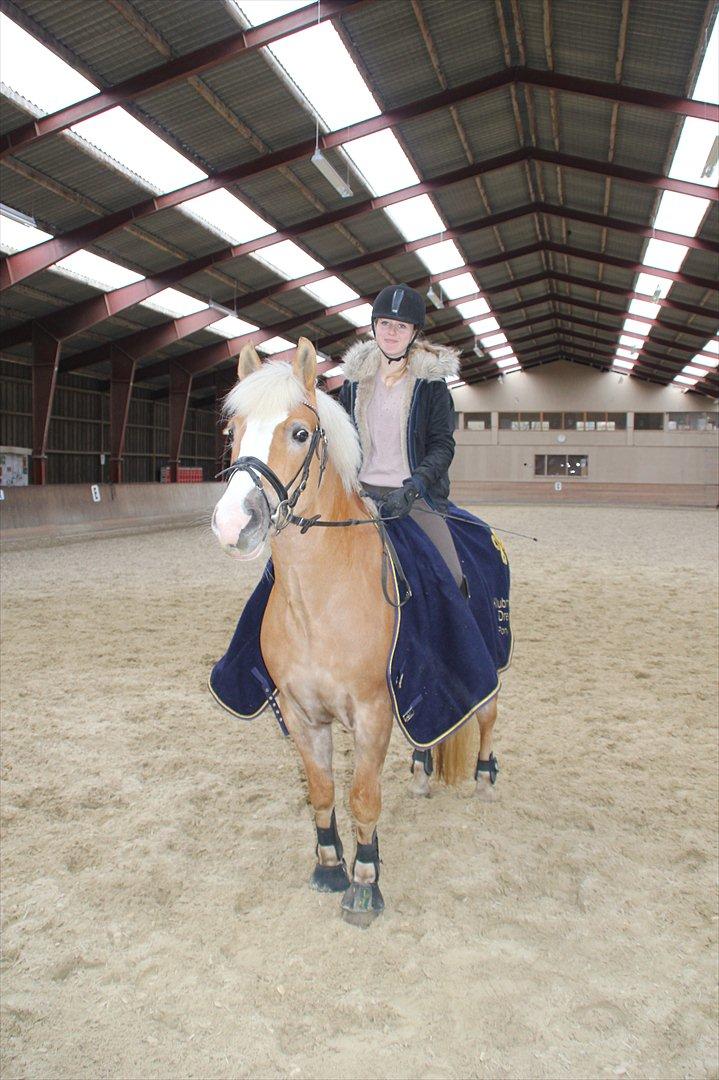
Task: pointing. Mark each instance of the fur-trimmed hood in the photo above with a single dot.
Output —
(431, 362)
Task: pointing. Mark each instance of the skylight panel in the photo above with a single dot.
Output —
(462, 285)
(643, 307)
(494, 339)
(331, 291)
(484, 326)
(685, 380)
(442, 256)
(504, 350)
(511, 370)
(318, 62)
(507, 362)
(125, 139)
(625, 365)
(694, 158)
(628, 354)
(416, 218)
(228, 216)
(712, 346)
(680, 213)
(36, 73)
(359, 316)
(664, 256)
(276, 344)
(15, 236)
(631, 342)
(474, 307)
(690, 370)
(706, 87)
(382, 162)
(706, 361)
(231, 327)
(287, 259)
(174, 303)
(96, 271)
(656, 287)
(634, 326)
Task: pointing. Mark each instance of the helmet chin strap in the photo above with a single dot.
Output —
(396, 359)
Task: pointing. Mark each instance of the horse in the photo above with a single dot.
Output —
(327, 628)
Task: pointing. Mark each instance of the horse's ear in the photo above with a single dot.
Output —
(304, 364)
(248, 361)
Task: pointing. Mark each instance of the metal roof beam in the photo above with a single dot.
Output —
(144, 342)
(24, 263)
(194, 63)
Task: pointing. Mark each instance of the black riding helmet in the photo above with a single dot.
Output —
(403, 304)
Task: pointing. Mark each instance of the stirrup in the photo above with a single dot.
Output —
(424, 757)
(491, 767)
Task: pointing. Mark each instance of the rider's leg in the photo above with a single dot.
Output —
(436, 529)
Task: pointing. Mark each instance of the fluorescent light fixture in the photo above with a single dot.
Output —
(684, 380)
(330, 174)
(624, 365)
(479, 351)
(434, 298)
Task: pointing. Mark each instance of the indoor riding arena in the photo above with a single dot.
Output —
(182, 179)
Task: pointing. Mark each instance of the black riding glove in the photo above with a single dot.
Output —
(400, 501)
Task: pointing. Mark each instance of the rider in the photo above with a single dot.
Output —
(396, 393)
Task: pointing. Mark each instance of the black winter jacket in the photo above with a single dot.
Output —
(427, 416)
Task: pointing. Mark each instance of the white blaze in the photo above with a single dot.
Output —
(230, 516)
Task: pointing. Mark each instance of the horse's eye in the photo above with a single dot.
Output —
(301, 435)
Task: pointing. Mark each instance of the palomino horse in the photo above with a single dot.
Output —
(328, 627)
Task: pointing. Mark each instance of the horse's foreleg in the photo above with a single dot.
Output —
(315, 747)
(486, 771)
(363, 901)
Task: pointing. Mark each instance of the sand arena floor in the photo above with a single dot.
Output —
(156, 852)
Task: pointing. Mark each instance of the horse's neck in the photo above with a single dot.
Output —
(306, 562)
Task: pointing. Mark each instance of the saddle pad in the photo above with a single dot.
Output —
(447, 652)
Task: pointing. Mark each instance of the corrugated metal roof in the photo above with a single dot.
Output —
(397, 47)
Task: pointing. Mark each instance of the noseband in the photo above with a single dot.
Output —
(283, 515)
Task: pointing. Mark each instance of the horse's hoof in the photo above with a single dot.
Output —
(485, 790)
(330, 878)
(362, 903)
(420, 786)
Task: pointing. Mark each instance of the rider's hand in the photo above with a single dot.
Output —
(400, 501)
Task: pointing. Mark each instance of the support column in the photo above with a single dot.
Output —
(45, 360)
(123, 372)
(180, 386)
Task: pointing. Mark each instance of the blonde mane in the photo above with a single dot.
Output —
(274, 389)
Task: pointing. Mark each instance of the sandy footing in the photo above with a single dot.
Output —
(157, 919)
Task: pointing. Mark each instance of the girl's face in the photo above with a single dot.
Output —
(392, 336)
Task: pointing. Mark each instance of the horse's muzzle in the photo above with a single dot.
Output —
(242, 529)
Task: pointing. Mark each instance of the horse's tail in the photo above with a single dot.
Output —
(455, 756)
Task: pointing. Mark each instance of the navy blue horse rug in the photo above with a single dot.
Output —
(447, 652)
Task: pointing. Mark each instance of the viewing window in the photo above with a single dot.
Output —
(561, 465)
(692, 421)
(568, 421)
(477, 421)
(648, 421)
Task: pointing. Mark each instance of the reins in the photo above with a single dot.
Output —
(283, 514)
